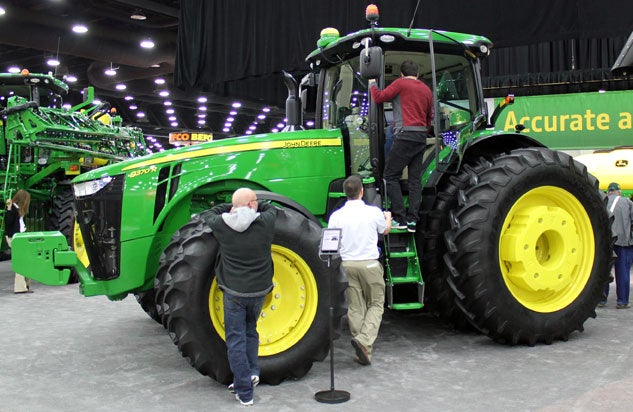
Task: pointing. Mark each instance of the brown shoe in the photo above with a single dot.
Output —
(361, 352)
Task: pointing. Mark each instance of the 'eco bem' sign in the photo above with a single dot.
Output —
(573, 121)
(187, 138)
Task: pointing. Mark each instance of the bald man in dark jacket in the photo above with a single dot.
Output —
(244, 271)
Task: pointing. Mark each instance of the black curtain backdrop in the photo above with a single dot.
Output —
(239, 47)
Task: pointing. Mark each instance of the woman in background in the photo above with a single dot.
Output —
(17, 208)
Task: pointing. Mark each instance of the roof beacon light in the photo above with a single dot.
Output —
(328, 35)
(371, 14)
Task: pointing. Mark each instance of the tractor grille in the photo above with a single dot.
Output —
(99, 217)
(168, 181)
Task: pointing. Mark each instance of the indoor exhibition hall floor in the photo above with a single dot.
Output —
(61, 351)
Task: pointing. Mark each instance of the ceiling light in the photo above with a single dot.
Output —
(230, 119)
(202, 99)
(159, 80)
(71, 78)
(163, 93)
(96, 101)
(155, 65)
(128, 98)
(202, 121)
(147, 43)
(2, 11)
(66, 106)
(280, 125)
(138, 15)
(120, 86)
(53, 62)
(110, 71)
(169, 111)
(202, 108)
(80, 28)
(226, 130)
(133, 107)
(172, 118)
(275, 130)
(252, 127)
(14, 69)
(140, 114)
(167, 103)
(249, 132)
(261, 116)
(233, 112)
(174, 124)
(227, 124)
(237, 105)
(202, 115)
(266, 109)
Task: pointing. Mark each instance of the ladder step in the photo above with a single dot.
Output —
(405, 279)
(406, 306)
(394, 255)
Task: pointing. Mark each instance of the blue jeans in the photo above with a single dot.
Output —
(242, 340)
(622, 274)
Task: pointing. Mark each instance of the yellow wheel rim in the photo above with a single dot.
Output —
(79, 247)
(289, 309)
(546, 249)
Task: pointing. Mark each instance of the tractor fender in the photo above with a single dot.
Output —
(493, 143)
(286, 202)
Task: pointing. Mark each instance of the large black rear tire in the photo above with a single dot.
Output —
(530, 247)
(293, 326)
(439, 297)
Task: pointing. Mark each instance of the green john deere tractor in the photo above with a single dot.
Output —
(514, 238)
(43, 146)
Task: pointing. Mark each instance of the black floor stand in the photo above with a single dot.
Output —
(332, 395)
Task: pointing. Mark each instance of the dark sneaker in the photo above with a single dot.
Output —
(254, 380)
(602, 304)
(411, 227)
(245, 403)
(396, 225)
(623, 306)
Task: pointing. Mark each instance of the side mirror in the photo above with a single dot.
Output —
(371, 62)
(308, 89)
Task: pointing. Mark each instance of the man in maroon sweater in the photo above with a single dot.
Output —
(413, 110)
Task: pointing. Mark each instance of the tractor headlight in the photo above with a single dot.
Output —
(90, 187)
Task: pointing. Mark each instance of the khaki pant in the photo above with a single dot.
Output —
(20, 283)
(365, 300)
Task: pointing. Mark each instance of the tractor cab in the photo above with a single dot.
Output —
(40, 89)
(448, 63)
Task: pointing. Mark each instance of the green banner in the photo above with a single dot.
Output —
(598, 120)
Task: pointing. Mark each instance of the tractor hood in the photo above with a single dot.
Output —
(141, 165)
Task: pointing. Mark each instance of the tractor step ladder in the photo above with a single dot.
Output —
(402, 269)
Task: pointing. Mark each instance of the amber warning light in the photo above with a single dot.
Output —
(371, 13)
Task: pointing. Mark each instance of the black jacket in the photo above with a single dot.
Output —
(244, 267)
(11, 222)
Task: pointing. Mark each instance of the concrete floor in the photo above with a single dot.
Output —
(60, 351)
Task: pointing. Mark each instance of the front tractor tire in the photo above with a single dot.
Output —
(529, 247)
(293, 326)
(63, 219)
